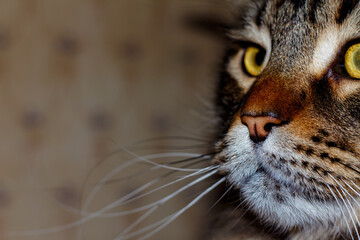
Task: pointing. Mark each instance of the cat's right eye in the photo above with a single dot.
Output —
(253, 60)
(352, 61)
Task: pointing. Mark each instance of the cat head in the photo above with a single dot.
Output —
(289, 103)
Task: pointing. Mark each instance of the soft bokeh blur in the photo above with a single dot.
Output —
(82, 82)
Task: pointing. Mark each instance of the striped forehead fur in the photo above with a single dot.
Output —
(316, 12)
(317, 30)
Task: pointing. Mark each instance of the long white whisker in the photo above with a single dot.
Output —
(348, 210)
(107, 208)
(222, 196)
(129, 198)
(99, 185)
(199, 158)
(139, 220)
(353, 191)
(355, 215)
(175, 215)
(167, 198)
(242, 215)
(144, 229)
(347, 224)
(115, 171)
(355, 185)
(157, 164)
(356, 192)
(349, 203)
(121, 167)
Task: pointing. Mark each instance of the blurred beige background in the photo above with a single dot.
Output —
(78, 80)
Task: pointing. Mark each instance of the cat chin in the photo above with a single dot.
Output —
(274, 200)
(282, 209)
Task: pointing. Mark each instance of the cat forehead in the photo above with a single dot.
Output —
(301, 17)
(303, 31)
(316, 11)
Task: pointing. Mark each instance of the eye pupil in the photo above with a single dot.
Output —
(260, 56)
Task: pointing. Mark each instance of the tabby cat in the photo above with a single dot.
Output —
(289, 135)
(288, 138)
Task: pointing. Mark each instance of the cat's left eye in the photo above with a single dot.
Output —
(253, 60)
(352, 61)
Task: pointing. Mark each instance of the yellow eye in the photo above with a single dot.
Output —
(352, 61)
(253, 60)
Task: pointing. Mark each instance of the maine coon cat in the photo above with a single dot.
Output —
(289, 101)
(288, 133)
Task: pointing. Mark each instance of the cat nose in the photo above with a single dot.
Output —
(260, 126)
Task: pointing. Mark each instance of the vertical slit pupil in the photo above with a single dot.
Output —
(260, 56)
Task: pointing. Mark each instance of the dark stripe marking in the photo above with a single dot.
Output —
(260, 14)
(314, 5)
(279, 3)
(345, 10)
(298, 4)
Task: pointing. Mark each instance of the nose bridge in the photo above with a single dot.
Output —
(278, 97)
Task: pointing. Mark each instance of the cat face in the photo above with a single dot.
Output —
(290, 108)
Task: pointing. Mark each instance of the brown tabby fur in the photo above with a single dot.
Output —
(311, 161)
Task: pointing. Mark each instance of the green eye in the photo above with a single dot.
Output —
(253, 60)
(352, 61)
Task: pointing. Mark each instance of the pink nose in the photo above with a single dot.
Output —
(260, 126)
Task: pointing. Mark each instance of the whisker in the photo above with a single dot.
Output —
(165, 199)
(157, 164)
(236, 222)
(139, 220)
(203, 140)
(342, 212)
(157, 189)
(201, 157)
(174, 216)
(355, 215)
(347, 192)
(353, 191)
(139, 159)
(144, 229)
(105, 209)
(135, 160)
(105, 180)
(222, 197)
(192, 203)
(174, 147)
(129, 197)
(83, 210)
(356, 186)
(349, 167)
(348, 210)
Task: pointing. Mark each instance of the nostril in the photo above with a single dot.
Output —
(269, 126)
(260, 126)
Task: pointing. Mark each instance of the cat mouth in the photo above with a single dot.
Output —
(278, 174)
(269, 175)
(272, 185)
